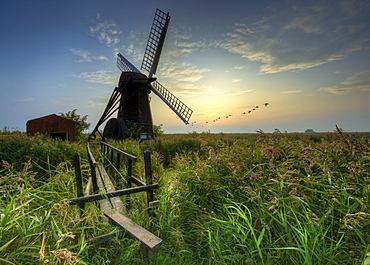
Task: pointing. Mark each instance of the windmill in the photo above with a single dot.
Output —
(131, 97)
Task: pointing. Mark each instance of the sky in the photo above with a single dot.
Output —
(309, 60)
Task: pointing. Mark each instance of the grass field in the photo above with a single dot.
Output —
(224, 199)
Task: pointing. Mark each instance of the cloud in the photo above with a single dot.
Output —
(190, 90)
(100, 77)
(235, 68)
(106, 31)
(358, 81)
(185, 72)
(236, 80)
(299, 38)
(187, 90)
(179, 43)
(234, 92)
(184, 48)
(291, 91)
(99, 101)
(136, 51)
(85, 56)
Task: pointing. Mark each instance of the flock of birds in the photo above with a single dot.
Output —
(230, 115)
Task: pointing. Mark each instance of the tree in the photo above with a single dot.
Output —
(309, 131)
(158, 130)
(81, 124)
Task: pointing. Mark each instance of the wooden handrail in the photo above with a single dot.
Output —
(131, 157)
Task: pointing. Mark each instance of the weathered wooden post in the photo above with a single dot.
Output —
(151, 203)
(148, 176)
(77, 164)
(129, 181)
(112, 157)
(92, 169)
(118, 165)
(129, 173)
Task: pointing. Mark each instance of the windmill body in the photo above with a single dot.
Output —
(130, 99)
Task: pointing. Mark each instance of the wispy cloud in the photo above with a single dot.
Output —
(291, 91)
(319, 37)
(191, 89)
(235, 92)
(236, 80)
(184, 48)
(85, 56)
(106, 31)
(100, 77)
(136, 51)
(180, 43)
(188, 89)
(184, 72)
(238, 68)
(359, 81)
(98, 102)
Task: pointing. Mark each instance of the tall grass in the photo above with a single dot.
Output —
(276, 200)
(224, 199)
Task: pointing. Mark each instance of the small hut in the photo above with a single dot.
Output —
(53, 126)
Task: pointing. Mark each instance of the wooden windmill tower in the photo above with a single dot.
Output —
(131, 97)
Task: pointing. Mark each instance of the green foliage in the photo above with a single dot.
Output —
(133, 129)
(81, 122)
(44, 153)
(224, 199)
(158, 130)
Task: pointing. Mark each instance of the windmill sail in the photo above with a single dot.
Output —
(183, 111)
(155, 42)
(124, 65)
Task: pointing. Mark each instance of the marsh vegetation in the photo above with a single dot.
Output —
(224, 199)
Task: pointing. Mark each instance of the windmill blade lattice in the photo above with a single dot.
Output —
(124, 65)
(155, 42)
(183, 111)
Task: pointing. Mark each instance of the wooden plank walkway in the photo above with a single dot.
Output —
(147, 238)
(114, 209)
(107, 185)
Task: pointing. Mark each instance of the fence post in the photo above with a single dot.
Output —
(112, 156)
(77, 164)
(94, 180)
(92, 169)
(129, 173)
(118, 161)
(148, 176)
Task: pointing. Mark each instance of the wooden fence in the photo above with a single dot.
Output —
(104, 191)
